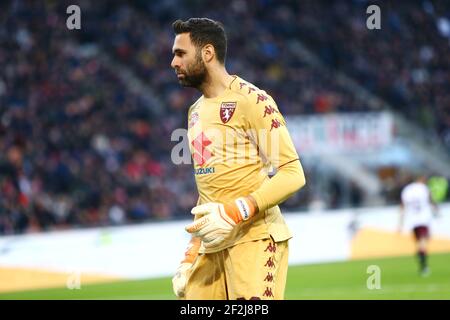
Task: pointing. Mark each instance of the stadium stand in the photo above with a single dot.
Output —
(80, 146)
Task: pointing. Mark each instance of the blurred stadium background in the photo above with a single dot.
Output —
(87, 186)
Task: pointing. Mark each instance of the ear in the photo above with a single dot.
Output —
(208, 53)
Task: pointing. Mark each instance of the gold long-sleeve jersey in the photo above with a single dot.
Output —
(235, 140)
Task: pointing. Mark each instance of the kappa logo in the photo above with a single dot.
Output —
(227, 111)
(269, 277)
(275, 124)
(270, 263)
(269, 110)
(271, 248)
(268, 292)
(261, 97)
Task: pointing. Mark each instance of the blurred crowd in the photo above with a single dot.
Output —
(79, 148)
(406, 62)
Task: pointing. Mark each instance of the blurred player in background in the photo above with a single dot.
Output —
(417, 208)
(239, 246)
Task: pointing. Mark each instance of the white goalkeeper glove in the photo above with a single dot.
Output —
(219, 220)
(179, 280)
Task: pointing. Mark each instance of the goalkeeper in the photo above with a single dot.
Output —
(239, 246)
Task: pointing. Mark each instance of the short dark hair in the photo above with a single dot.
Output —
(203, 31)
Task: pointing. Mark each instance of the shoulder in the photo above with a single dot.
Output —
(248, 92)
(194, 105)
(407, 189)
(415, 189)
(424, 188)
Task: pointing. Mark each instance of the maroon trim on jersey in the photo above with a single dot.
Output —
(287, 163)
(231, 83)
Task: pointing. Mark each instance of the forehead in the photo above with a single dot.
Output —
(182, 41)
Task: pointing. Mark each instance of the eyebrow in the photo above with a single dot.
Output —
(178, 50)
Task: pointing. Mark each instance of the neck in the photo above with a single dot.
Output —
(216, 82)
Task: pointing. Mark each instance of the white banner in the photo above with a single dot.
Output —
(155, 250)
(341, 133)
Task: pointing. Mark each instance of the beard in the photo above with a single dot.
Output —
(194, 75)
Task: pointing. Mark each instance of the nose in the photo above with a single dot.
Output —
(175, 63)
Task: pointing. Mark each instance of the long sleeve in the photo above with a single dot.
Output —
(276, 149)
(289, 179)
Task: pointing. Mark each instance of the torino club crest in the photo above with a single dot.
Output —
(227, 111)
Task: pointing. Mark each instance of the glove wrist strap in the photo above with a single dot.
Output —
(240, 210)
(244, 208)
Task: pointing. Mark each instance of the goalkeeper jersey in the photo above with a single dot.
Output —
(235, 140)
